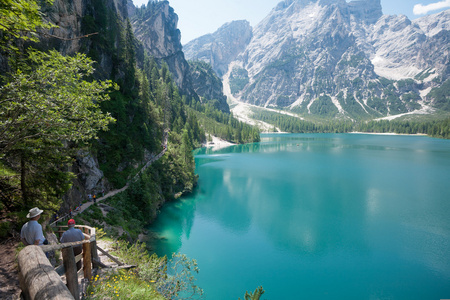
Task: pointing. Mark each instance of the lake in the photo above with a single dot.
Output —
(318, 216)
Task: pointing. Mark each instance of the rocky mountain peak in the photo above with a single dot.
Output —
(222, 46)
(155, 26)
(367, 10)
(355, 60)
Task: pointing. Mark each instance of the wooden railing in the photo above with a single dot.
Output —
(39, 280)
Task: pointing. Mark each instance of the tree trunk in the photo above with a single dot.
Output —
(23, 186)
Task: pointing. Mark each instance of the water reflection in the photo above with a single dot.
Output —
(374, 208)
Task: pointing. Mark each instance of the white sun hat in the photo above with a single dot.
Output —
(34, 212)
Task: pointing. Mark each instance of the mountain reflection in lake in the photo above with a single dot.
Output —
(318, 215)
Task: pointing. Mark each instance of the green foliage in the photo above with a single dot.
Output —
(437, 128)
(424, 74)
(323, 106)
(178, 175)
(145, 12)
(295, 125)
(48, 108)
(5, 228)
(124, 285)
(172, 278)
(136, 207)
(256, 295)
(223, 125)
(238, 79)
(377, 104)
(351, 105)
(52, 100)
(354, 61)
(20, 19)
(441, 96)
(92, 216)
(434, 128)
(99, 233)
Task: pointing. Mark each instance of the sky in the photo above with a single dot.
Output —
(200, 17)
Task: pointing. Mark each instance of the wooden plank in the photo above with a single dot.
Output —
(37, 277)
(47, 248)
(126, 267)
(78, 257)
(110, 256)
(98, 263)
(71, 271)
(60, 270)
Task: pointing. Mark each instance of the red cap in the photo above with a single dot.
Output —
(71, 222)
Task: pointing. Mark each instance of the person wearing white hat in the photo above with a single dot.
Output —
(31, 233)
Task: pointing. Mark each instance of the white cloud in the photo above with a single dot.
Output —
(420, 9)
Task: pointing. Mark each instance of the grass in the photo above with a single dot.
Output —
(124, 285)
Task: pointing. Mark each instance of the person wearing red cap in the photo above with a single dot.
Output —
(73, 235)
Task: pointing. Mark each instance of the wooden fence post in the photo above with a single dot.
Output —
(94, 253)
(37, 277)
(71, 271)
(87, 264)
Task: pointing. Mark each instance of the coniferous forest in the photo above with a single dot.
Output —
(57, 108)
(439, 128)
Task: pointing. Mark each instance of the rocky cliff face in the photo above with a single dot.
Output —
(105, 21)
(339, 59)
(207, 85)
(221, 47)
(75, 19)
(155, 26)
(72, 17)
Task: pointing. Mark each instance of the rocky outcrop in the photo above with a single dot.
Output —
(89, 180)
(207, 85)
(67, 16)
(155, 26)
(70, 19)
(104, 19)
(221, 47)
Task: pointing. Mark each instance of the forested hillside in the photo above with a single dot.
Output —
(100, 97)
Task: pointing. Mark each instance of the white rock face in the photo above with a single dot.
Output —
(343, 52)
(93, 176)
(220, 47)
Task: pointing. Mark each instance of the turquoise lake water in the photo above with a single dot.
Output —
(318, 216)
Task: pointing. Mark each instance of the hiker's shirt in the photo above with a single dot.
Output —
(72, 235)
(31, 232)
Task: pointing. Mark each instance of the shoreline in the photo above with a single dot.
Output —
(217, 143)
(387, 133)
(352, 132)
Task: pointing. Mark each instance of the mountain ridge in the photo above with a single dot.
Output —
(342, 60)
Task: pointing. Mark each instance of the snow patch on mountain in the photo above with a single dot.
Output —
(395, 71)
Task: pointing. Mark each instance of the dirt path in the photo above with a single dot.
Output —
(114, 192)
(9, 282)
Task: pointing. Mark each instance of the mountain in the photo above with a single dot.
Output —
(155, 26)
(341, 60)
(147, 103)
(221, 47)
(208, 85)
